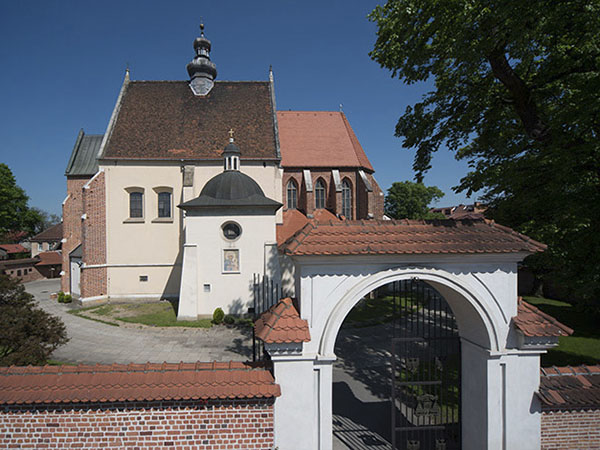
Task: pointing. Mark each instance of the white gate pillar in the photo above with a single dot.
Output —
(500, 409)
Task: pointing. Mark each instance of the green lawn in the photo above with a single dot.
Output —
(378, 310)
(583, 347)
(161, 314)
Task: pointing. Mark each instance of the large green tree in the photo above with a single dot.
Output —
(29, 335)
(408, 200)
(516, 92)
(15, 214)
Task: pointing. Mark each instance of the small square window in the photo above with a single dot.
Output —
(143, 277)
(207, 288)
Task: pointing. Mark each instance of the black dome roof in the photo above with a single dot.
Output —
(231, 185)
(231, 188)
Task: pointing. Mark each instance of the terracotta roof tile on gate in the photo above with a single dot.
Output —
(281, 324)
(389, 237)
(135, 382)
(570, 387)
(535, 323)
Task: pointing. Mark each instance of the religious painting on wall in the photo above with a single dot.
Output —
(231, 260)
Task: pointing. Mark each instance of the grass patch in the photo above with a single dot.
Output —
(161, 314)
(81, 313)
(583, 347)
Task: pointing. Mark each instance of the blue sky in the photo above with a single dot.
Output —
(63, 63)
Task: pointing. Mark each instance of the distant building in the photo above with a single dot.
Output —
(474, 211)
(48, 240)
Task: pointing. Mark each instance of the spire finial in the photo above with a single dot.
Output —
(201, 27)
(230, 135)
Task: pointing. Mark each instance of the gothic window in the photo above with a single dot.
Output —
(136, 205)
(346, 199)
(292, 195)
(320, 194)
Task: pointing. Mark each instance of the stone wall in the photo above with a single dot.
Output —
(209, 425)
(578, 429)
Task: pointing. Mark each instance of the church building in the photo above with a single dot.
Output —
(188, 192)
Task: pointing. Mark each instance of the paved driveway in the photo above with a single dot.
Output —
(94, 342)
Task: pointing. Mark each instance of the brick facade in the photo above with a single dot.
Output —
(363, 202)
(94, 279)
(209, 425)
(577, 429)
(72, 229)
(25, 271)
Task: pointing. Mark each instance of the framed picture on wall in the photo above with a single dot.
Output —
(231, 261)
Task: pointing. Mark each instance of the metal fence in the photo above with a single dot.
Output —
(265, 294)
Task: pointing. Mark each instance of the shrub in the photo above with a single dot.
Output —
(67, 298)
(29, 335)
(61, 297)
(229, 319)
(218, 316)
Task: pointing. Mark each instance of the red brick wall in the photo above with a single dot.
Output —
(178, 425)
(72, 231)
(94, 280)
(571, 430)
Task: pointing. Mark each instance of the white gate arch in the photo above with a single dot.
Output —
(500, 409)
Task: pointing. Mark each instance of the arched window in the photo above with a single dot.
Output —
(320, 194)
(136, 205)
(347, 199)
(292, 195)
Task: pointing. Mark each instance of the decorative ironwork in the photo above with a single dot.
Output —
(265, 293)
(425, 384)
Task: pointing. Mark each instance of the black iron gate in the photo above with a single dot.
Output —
(425, 397)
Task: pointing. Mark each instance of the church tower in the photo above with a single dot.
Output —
(201, 69)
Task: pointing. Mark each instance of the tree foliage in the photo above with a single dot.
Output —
(408, 200)
(517, 94)
(15, 214)
(29, 335)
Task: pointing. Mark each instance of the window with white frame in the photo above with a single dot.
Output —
(320, 194)
(346, 199)
(292, 195)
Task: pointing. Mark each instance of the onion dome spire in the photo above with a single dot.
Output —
(231, 155)
(201, 69)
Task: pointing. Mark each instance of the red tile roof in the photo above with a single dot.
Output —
(54, 233)
(135, 382)
(391, 237)
(165, 120)
(49, 259)
(570, 387)
(282, 324)
(535, 323)
(294, 220)
(13, 248)
(319, 139)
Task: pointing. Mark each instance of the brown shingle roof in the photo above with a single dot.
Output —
(165, 120)
(570, 387)
(135, 382)
(388, 237)
(49, 259)
(535, 323)
(319, 139)
(282, 324)
(54, 233)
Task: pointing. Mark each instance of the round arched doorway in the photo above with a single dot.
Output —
(396, 381)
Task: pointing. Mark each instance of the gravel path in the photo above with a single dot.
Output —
(94, 342)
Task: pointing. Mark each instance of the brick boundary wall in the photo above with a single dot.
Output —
(207, 425)
(94, 280)
(576, 429)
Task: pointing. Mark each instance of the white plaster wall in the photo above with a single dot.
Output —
(230, 291)
(154, 244)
